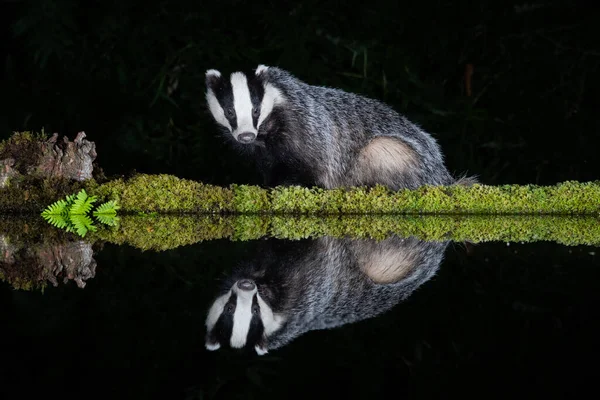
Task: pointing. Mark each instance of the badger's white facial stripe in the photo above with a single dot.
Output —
(242, 103)
(242, 316)
(271, 321)
(271, 98)
(215, 310)
(216, 109)
(260, 69)
(213, 346)
(213, 72)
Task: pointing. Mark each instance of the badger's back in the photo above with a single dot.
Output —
(353, 280)
(358, 140)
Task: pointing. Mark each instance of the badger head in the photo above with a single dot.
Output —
(241, 318)
(241, 102)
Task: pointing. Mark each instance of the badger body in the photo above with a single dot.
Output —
(319, 136)
(293, 287)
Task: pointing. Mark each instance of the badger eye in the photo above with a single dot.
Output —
(229, 309)
(255, 111)
(230, 112)
(255, 309)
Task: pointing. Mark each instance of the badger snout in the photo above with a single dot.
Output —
(246, 137)
(246, 284)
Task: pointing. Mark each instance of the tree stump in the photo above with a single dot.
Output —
(27, 156)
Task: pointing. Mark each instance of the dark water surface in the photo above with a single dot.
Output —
(493, 320)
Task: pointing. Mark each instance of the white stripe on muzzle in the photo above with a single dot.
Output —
(242, 316)
(242, 104)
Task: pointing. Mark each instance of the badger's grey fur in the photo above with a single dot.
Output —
(319, 136)
(293, 287)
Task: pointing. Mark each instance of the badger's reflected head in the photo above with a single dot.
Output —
(241, 318)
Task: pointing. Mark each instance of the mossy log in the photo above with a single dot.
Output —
(158, 233)
(35, 155)
(168, 194)
(166, 232)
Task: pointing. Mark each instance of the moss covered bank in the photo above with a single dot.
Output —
(164, 232)
(168, 194)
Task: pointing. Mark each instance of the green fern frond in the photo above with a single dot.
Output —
(82, 224)
(57, 220)
(82, 204)
(107, 219)
(57, 208)
(70, 199)
(108, 208)
(71, 214)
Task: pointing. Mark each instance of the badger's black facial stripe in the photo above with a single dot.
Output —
(257, 92)
(257, 329)
(223, 91)
(212, 340)
(224, 326)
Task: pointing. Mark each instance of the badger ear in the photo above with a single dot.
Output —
(212, 343)
(212, 346)
(212, 78)
(261, 347)
(261, 69)
(261, 351)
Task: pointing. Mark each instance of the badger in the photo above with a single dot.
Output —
(295, 286)
(318, 136)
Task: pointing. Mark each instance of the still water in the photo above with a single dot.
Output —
(352, 318)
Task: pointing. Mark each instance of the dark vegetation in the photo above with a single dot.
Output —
(130, 73)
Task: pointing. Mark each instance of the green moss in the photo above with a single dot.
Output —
(28, 194)
(160, 232)
(249, 199)
(249, 227)
(165, 194)
(296, 199)
(167, 232)
(21, 141)
(169, 194)
(26, 284)
(567, 230)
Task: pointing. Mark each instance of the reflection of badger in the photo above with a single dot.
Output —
(294, 287)
(311, 135)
